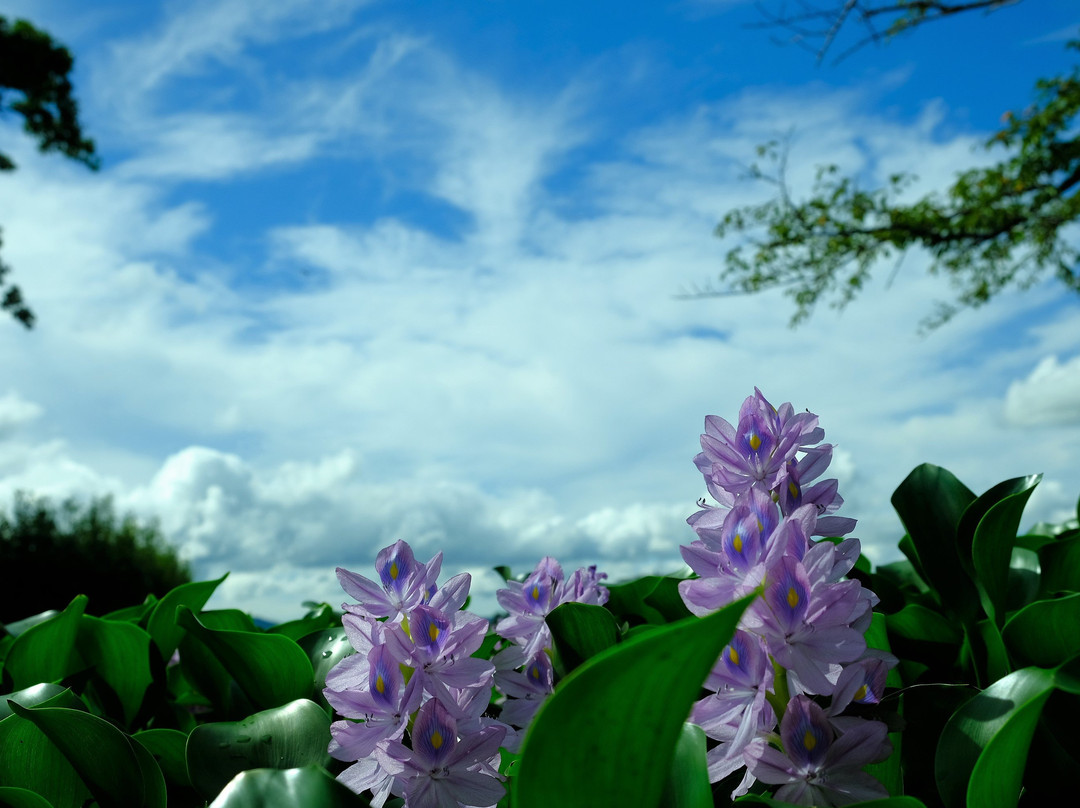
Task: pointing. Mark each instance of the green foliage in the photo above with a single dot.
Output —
(996, 227)
(37, 70)
(58, 552)
(98, 711)
(620, 715)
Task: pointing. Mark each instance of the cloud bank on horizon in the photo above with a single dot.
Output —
(347, 277)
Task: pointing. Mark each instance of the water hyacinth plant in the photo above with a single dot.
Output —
(783, 669)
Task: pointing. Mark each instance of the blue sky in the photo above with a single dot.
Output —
(360, 271)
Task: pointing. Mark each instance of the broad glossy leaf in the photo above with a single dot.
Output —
(688, 781)
(17, 627)
(629, 601)
(995, 664)
(889, 802)
(46, 652)
(29, 760)
(120, 654)
(1025, 573)
(135, 614)
(1060, 562)
(296, 734)
(116, 770)
(983, 748)
(580, 631)
(916, 622)
(325, 649)
(271, 670)
(1047, 632)
(22, 798)
(310, 787)
(931, 502)
(994, 537)
(162, 625)
(324, 618)
(618, 717)
(54, 695)
(169, 749)
(969, 522)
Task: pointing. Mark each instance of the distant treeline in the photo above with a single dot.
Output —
(49, 553)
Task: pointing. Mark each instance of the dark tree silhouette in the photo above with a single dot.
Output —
(51, 553)
(35, 71)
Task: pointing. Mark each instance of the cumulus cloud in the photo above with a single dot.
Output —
(516, 383)
(1050, 395)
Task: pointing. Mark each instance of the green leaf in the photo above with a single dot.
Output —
(120, 654)
(117, 771)
(169, 749)
(296, 734)
(39, 694)
(307, 787)
(162, 625)
(46, 652)
(134, 614)
(1047, 632)
(983, 748)
(324, 618)
(271, 670)
(916, 622)
(969, 522)
(1060, 562)
(630, 601)
(688, 781)
(994, 537)
(325, 649)
(1025, 572)
(580, 631)
(889, 802)
(22, 798)
(19, 626)
(618, 717)
(931, 502)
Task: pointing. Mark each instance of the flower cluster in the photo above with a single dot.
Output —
(413, 670)
(524, 672)
(413, 678)
(802, 641)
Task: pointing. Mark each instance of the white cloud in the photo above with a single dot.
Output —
(1049, 395)
(525, 385)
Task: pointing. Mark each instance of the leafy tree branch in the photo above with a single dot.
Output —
(1008, 224)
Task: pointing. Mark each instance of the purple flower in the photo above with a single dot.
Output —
(737, 711)
(383, 708)
(818, 767)
(404, 583)
(442, 769)
(753, 454)
(439, 648)
(808, 630)
(526, 689)
(528, 603)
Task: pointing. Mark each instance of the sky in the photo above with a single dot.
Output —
(360, 271)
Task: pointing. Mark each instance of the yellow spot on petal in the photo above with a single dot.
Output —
(394, 570)
(536, 592)
(792, 598)
(737, 543)
(809, 741)
(433, 631)
(793, 489)
(436, 739)
(755, 442)
(860, 694)
(733, 655)
(380, 684)
(534, 672)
